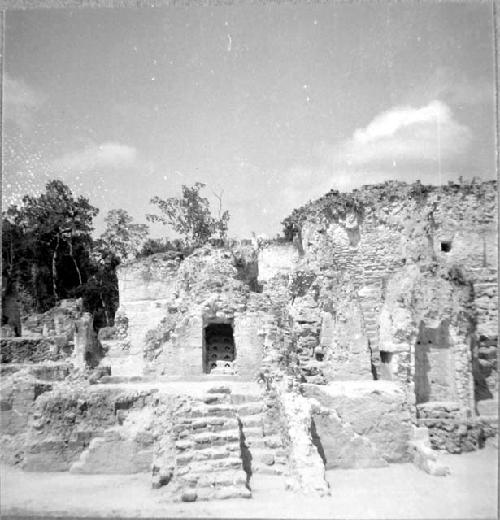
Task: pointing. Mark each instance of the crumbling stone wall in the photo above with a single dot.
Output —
(364, 237)
(306, 468)
(426, 327)
(65, 421)
(62, 332)
(18, 393)
(374, 411)
(450, 427)
(165, 320)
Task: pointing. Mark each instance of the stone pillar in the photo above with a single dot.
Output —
(83, 339)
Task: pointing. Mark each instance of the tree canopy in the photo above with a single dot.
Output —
(122, 235)
(48, 238)
(48, 252)
(190, 216)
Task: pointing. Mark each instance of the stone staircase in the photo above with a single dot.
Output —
(220, 441)
(370, 301)
(261, 437)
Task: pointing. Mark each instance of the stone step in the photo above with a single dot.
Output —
(219, 390)
(210, 465)
(250, 408)
(249, 421)
(213, 398)
(216, 410)
(239, 399)
(271, 441)
(210, 423)
(215, 438)
(215, 479)
(203, 494)
(253, 432)
(216, 452)
(227, 451)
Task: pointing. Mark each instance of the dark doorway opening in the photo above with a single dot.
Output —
(446, 246)
(385, 365)
(219, 352)
(434, 366)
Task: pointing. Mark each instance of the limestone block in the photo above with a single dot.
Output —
(307, 470)
(374, 409)
(426, 459)
(149, 279)
(111, 455)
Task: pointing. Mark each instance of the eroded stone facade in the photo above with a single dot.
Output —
(366, 338)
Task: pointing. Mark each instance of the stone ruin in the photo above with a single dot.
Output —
(368, 337)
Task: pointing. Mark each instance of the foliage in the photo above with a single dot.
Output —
(157, 245)
(190, 216)
(100, 293)
(48, 253)
(47, 243)
(124, 238)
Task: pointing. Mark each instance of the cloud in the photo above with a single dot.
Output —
(20, 101)
(404, 137)
(107, 155)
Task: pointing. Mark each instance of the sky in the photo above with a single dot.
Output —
(269, 105)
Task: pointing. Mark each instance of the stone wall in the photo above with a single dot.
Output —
(450, 427)
(64, 422)
(65, 331)
(166, 319)
(18, 393)
(362, 239)
(32, 350)
(306, 468)
(146, 289)
(376, 411)
(425, 325)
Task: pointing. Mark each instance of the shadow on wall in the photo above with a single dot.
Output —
(484, 366)
(433, 371)
(317, 441)
(246, 456)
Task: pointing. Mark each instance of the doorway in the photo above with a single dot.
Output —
(219, 351)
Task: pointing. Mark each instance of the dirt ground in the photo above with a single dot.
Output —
(399, 491)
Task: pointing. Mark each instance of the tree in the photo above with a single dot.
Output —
(190, 216)
(53, 233)
(100, 292)
(124, 238)
(160, 245)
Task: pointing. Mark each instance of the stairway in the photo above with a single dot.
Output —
(370, 302)
(220, 440)
(261, 438)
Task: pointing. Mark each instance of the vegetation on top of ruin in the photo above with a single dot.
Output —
(336, 205)
(190, 216)
(49, 253)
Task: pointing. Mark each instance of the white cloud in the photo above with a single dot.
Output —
(104, 156)
(404, 137)
(20, 101)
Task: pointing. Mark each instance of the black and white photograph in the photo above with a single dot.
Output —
(249, 259)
